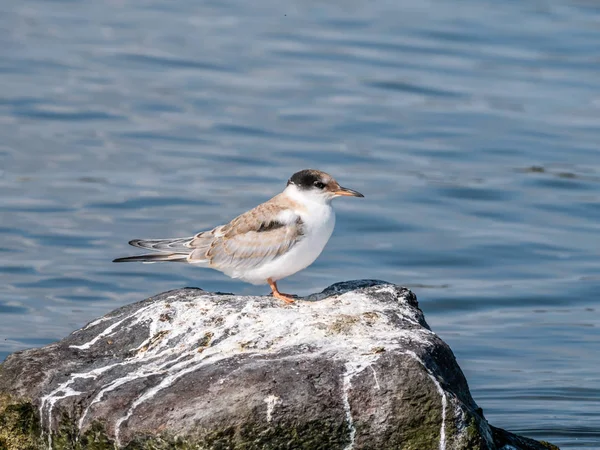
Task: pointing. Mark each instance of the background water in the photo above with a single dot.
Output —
(472, 127)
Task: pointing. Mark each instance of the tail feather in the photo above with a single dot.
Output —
(177, 245)
(154, 257)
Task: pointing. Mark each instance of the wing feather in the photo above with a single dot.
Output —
(250, 249)
(254, 238)
(251, 239)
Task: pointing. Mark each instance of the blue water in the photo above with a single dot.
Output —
(472, 128)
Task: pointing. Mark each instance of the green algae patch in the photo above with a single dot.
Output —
(420, 431)
(95, 438)
(313, 435)
(426, 432)
(20, 430)
(23, 433)
(549, 446)
(473, 436)
(19, 425)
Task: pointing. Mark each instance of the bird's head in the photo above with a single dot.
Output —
(314, 185)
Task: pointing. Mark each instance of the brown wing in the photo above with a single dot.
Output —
(249, 240)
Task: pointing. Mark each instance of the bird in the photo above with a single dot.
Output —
(272, 241)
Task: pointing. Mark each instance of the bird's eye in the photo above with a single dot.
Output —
(319, 185)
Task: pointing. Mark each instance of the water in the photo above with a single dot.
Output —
(472, 128)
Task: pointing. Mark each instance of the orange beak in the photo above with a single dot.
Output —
(347, 192)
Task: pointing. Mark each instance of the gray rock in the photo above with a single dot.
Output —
(355, 367)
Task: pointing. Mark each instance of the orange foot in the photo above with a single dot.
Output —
(287, 298)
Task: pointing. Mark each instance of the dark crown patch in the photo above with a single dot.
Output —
(305, 179)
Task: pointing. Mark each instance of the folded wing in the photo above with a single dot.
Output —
(252, 239)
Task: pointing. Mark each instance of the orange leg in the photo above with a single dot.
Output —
(281, 296)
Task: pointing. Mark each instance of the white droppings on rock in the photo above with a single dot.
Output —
(56, 395)
(107, 332)
(353, 368)
(375, 377)
(442, 445)
(93, 323)
(438, 386)
(65, 390)
(462, 420)
(271, 401)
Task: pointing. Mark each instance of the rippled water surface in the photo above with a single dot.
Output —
(472, 128)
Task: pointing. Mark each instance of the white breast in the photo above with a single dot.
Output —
(318, 223)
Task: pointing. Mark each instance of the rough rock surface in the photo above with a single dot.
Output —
(356, 367)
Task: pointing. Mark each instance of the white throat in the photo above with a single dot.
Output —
(308, 199)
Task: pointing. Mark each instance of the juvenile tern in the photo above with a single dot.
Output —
(272, 241)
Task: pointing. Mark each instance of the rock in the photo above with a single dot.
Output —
(356, 367)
